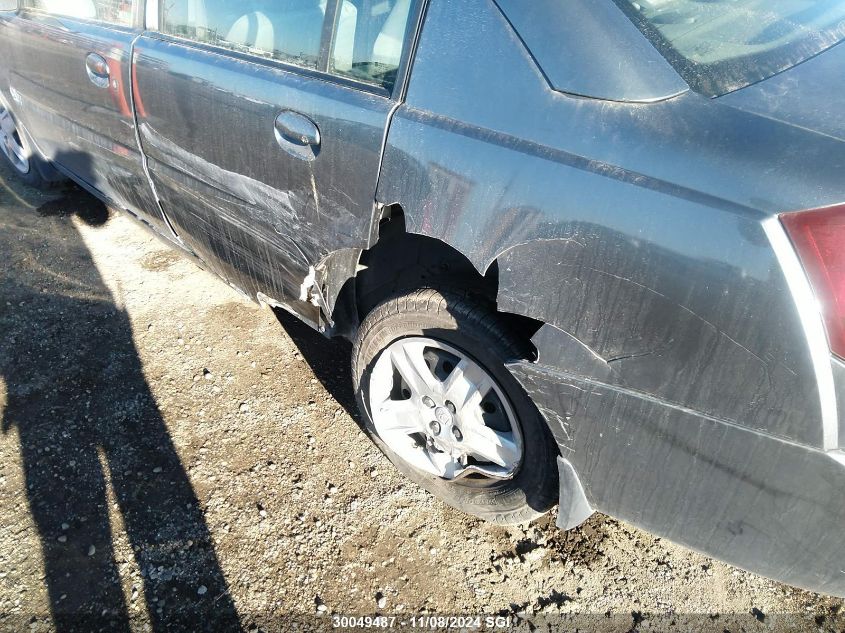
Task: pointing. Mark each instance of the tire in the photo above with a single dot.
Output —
(20, 155)
(468, 327)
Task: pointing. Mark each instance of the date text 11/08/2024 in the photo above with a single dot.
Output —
(423, 622)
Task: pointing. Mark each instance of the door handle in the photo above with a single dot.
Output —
(297, 134)
(98, 70)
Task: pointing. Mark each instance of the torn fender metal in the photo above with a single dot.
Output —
(652, 320)
(574, 508)
(766, 504)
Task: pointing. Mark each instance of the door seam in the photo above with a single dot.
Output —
(144, 161)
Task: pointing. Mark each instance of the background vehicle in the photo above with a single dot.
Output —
(570, 242)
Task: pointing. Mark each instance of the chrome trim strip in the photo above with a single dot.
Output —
(811, 321)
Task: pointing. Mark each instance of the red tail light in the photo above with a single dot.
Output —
(819, 239)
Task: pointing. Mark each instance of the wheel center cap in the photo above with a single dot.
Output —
(443, 416)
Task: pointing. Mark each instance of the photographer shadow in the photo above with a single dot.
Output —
(92, 437)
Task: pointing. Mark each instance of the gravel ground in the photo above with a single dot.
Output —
(175, 457)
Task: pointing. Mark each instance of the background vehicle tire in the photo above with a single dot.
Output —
(500, 464)
(17, 151)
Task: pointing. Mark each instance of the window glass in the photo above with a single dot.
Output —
(722, 45)
(111, 11)
(287, 30)
(369, 40)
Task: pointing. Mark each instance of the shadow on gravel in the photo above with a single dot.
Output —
(329, 359)
(91, 435)
(75, 202)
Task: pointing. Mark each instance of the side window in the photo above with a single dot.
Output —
(287, 30)
(112, 11)
(369, 40)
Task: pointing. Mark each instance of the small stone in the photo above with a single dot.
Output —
(244, 407)
(322, 608)
(381, 601)
(62, 539)
(202, 590)
(535, 556)
(65, 526)
(206, 373)
(332, 490)
(157, 469)
(92, 550)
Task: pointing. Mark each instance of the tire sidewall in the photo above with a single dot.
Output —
(532, 489)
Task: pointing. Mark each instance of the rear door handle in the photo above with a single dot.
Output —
(297, 134)
(98, 70)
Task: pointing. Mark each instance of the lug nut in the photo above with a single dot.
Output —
(428, 402)
(435, 428)
(457, 433)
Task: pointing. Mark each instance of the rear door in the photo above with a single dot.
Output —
(70, 84)
(263, 123)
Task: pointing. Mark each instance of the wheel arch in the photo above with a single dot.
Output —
(354, 281)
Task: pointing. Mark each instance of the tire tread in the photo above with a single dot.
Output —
(461, 307)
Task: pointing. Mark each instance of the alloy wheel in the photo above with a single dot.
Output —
(442, 412)
(11, 144)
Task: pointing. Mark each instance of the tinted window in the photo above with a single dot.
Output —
(287, 30)
(112, 11)
(369, 40)
(723, 45)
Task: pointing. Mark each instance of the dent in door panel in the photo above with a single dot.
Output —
(263, 217)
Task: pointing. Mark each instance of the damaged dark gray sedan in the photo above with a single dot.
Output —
(589, 251)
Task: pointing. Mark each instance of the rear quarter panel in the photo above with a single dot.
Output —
(674, 368)
(637, 230)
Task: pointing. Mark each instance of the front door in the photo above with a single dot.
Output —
(70, 84)
(263, 124)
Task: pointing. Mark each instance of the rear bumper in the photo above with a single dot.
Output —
(770, 506)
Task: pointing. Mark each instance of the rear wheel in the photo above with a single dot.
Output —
(438, 400)
(15, 147)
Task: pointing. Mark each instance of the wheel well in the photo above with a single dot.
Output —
(405, 261)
